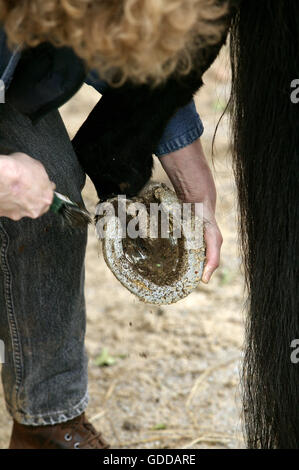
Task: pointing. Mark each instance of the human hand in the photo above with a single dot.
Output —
(25, 188)
(189, 172)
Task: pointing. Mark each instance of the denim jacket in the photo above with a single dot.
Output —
(183, 128)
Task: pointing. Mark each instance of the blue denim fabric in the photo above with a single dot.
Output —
(8, 60)
(42, 304)
(184, 128)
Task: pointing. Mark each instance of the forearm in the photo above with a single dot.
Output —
(189, 172)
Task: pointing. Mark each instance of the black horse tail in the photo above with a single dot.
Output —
(265, 127)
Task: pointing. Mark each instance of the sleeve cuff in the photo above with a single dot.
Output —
(181, 141)
(184, 128)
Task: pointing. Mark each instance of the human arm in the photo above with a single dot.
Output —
(189, 172)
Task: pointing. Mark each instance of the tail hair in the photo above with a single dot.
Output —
(265, 126)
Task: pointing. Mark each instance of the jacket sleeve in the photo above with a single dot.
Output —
(183, 128)
(116, 142)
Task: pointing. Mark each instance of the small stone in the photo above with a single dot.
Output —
(129, 426)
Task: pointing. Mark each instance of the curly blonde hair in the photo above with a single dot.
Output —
(141, 40)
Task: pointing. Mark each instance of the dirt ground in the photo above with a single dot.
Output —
(173, 378)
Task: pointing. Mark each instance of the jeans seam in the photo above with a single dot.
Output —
(55, 417)
(12, 322)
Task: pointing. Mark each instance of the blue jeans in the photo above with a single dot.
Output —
(42, 306)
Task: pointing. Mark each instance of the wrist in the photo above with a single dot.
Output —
(191, 178)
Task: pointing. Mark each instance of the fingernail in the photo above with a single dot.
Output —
(206, 276)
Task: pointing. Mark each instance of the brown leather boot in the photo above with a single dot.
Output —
(77, 433)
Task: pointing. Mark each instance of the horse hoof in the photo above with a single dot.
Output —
(161, 262)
